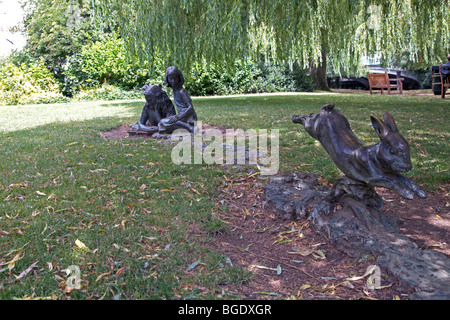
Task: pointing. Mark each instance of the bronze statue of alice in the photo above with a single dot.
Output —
(186, 116)
(158, 113)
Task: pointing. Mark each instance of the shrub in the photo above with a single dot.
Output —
(107, 92)
(28, 83)
(105, 61)
(207, 79)
(246, 77)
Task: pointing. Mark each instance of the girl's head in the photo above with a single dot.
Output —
(175, 75)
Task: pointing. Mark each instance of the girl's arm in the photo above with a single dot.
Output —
(190, 108)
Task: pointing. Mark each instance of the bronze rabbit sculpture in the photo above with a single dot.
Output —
(377, 165)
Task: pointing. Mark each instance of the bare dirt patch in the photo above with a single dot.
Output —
(120, 132)
(426, 221)
(291, 260)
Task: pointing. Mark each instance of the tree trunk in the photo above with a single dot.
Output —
(319, 74)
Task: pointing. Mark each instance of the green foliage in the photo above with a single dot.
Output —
(58, 29)
(102, 71)
(345, 31)
(218, 44)
(105, 61)
(106, 92)
(281, 78)
(24, 84)
(246, 76)
(217, 79)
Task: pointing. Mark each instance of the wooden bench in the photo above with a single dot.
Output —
(382, 81)
(445, 83)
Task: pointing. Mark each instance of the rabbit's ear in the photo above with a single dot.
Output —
(390, 123)
(379, 126)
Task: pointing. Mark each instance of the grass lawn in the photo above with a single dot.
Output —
(136, 224)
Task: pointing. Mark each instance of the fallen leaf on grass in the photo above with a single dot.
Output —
(12, 263)
(11, 216)
(120, 248)
(26, 271)
(122, 270)
(18, 185)
(192, 265)
(102, 275)
(154, 274)
(81, 245)
(51, 196)
(17, 250)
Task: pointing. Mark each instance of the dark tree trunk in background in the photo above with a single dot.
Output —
(319, 74)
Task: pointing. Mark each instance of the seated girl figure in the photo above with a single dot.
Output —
(186, 116)
(157, 107)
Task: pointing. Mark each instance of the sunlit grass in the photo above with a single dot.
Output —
(23, 117)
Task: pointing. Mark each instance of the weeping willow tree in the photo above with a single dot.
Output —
(320, 35)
